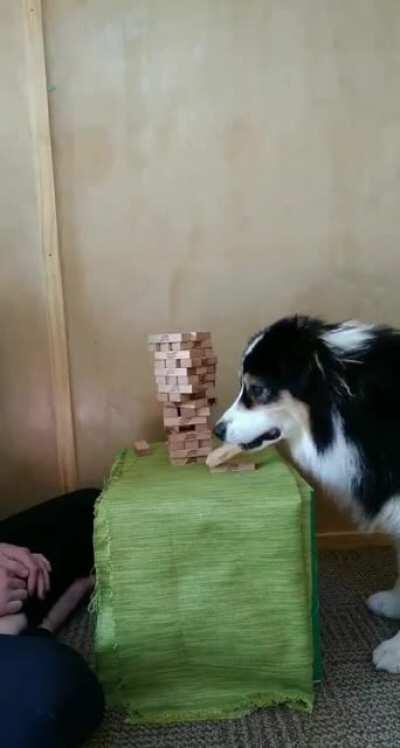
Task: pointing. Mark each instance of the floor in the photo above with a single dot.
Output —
(355, 706)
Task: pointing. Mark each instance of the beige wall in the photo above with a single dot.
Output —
(218, 164)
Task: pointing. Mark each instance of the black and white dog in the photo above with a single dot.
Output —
(332, 392)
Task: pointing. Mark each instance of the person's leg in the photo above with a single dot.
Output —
(62, 530)
(49, 698)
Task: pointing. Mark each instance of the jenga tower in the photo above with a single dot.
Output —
(185, 367)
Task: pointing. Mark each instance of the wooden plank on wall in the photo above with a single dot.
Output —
(58, 339)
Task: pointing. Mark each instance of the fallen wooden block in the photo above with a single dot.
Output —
(142, 448)
(241, 467)
(222, 454)
(233, 467)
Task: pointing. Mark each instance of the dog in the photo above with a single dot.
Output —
(332, 393)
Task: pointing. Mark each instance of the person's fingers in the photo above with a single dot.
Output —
(14, 567)
(15, 583)
(14, 607)
(18, 594)
(43, 565)
(41, 586)
(43, 561)
(25, 557)
(33, 579)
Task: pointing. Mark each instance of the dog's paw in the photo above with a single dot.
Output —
(386, 656)
(385, 603)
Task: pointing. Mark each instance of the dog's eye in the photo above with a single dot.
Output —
(256, 391)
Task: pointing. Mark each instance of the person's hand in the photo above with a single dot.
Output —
(31, 568)
(13, 593)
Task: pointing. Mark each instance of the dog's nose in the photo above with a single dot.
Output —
(220, 430)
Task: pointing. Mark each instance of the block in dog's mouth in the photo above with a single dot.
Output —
(268, 436)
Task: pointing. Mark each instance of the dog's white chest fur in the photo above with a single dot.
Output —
(337, 469)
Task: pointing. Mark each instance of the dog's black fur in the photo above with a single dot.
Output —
(362, 386)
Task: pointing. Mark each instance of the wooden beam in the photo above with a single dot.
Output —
(347, 540)
(58, 339)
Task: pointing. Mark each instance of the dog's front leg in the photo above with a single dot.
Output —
(386, 655)
(387, 603)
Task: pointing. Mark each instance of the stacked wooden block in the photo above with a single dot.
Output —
(185, 366)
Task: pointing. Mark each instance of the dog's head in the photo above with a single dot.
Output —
(277, 371)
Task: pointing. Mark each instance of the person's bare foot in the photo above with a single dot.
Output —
(67, 603)
(13, 624)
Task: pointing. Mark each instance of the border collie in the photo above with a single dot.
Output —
(332, 392)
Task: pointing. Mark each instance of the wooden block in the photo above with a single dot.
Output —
(210, 360)
(200, 402)
(161, 380)
(165, 347)
(177, 397)
(187, 412)
(142, 448)
(169, 422)
(184, 421)
(223, 454)
(191, 444)
(182, 346)
(187, 380)
(172, 380)
(241, 467)
(190, 363)
(185, 437)
(206, 443)
(233, 467)
(169, 412)
(204, 411)
(203, 428)
(181, 389)
(168, 368)
(174, 355)
(184, 460)
(176, 438)
(162, 398)
(160, 366)
(199, 336)
(169, 337)
(189, 453)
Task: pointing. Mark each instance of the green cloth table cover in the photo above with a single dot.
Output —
(204, 589)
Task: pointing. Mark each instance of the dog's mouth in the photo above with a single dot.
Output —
(268, 436)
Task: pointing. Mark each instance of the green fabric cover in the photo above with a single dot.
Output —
(203, 598)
